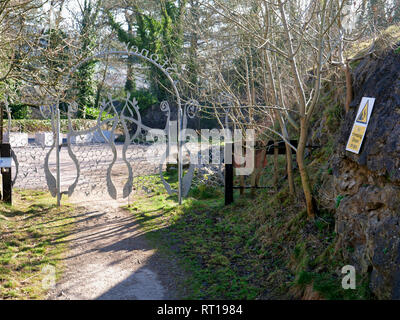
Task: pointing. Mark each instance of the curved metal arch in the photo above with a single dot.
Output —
(153, 59)
(135, 53)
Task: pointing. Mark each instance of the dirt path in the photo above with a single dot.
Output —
(110, 259)
(108, 256)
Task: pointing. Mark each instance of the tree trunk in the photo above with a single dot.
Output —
(349, 87)
(289, 166)
(305, 113)
(305, 181)
(130, 84)
(280, 120)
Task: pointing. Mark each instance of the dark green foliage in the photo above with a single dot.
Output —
(93, 113)
(204, 192)
(330, 287)
(163, 36)
(84, 75)
(339, 198)
(20, 111)
(130, 85)
(334, 116)
(12, 88)
(144, 98)
(85, 86)
(304, 278)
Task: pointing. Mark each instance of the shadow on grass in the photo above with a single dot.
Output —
(211, 245)
(26, 242)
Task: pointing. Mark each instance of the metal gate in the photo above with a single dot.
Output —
(84, 162)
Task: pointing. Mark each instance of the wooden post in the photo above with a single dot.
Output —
(1, 123)
(6, 173)
(228, 175)
(276, 153)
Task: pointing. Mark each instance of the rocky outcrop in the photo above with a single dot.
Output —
(368, 184)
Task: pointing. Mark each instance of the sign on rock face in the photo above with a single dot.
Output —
(360, 125)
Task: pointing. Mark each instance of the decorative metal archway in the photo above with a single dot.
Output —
(129, 116)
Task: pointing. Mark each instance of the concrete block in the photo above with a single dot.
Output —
(16, 139)
(82, 138)
(98, 138)
(45, 139)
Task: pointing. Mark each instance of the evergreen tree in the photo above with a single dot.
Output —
(85, 73)
(161, 34)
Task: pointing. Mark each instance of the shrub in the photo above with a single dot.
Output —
(20, 111)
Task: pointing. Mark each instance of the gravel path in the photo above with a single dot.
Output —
(109, 258)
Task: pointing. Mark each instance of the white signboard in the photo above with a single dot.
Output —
(360, 125)
(5, 162)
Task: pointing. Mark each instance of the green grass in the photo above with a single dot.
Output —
(213, 244)
(256, 248)
(32, 235)
(330, 287)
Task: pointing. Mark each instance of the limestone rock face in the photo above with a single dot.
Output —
(368, 216)
(379, 78)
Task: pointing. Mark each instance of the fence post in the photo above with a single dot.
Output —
(228, 174)
(58, 183)
(1, 122)
(6, 173)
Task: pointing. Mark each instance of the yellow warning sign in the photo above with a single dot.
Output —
(356, 138)
(360, 124)
(363, 117)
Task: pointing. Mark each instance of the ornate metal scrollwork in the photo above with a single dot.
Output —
(51, 180)
(31, 159)
(95, 161)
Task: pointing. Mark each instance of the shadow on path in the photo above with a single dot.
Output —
(109, 258)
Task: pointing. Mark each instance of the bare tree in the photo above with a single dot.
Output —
(295, 38)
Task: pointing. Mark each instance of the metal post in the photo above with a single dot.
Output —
(228, 174)
(179, 154)
(228, 184)
(5, 152)
(58, 182)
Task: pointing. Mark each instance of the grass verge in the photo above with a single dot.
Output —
(257, 248)
(32, 237)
